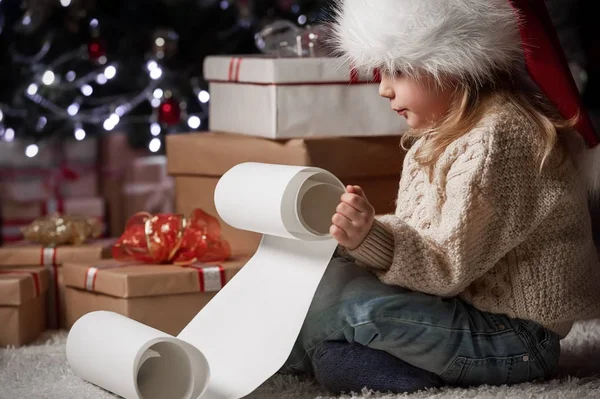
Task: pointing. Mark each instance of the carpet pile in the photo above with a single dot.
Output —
(40, 371)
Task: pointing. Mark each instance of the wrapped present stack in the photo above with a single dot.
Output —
(293, 111)
(22, 304)
(163, 271)
(61, 178)
(52, 242)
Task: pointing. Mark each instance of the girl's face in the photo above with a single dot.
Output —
(422, 102)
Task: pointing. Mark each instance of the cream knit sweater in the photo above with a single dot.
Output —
(492, 229)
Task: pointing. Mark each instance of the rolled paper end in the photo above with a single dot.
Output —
(133, 360)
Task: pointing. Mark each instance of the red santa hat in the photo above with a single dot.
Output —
(469, 39)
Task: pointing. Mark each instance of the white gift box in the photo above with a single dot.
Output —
(281, 98)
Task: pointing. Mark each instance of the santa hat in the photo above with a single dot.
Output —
(468, 39)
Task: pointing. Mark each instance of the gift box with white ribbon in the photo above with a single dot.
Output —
(165, 297)
(282, 98)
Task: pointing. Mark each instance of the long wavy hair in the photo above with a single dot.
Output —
(470, 103)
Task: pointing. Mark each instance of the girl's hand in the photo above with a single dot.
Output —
(353, 219)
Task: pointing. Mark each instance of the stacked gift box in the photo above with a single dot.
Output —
(60, 178)
(293, 111)
(22, 304)
(24, 255)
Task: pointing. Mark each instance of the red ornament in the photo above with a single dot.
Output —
(96, 49)
(169, 112)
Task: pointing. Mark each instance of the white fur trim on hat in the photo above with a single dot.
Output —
(469, 39)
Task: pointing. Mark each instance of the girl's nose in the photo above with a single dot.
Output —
(385, 88)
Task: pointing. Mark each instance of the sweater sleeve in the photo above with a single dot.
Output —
(493, 200)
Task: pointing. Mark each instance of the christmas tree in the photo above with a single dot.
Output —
(84, 68)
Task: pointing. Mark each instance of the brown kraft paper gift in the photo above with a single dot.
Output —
(197, 161)
(22, 304)
(165, 297)
(26, 254)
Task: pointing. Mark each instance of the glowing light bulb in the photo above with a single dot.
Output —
(1, 115)
(110, 72)
(79, 134)
(31, 150)
(203, 96)
(65, 3)
(155, 129)
(101, 79)
(32, 89)
(73, 109)
(194, 122)
(70, 76)
(87, 90)
(151, 65)
(9, 134)
(48, 78)
(158, 93)
(154, 145)
(156, 73)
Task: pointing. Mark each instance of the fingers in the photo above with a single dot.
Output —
(357, 202)
(348, 211)
(339, 234)
(356, 190)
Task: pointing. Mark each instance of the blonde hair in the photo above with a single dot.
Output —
(469, 105)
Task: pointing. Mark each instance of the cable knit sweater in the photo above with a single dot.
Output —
(492, 229)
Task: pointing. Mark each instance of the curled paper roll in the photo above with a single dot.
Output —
(246, 332)
(282, 201)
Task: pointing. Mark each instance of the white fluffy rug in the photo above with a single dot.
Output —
(40, 371)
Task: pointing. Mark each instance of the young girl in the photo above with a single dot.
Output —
(489, 256)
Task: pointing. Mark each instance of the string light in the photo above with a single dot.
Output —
(194, 122)
(9, 134)
(151, 65)
(31, 150)
(101, 79)
(32, 89)
(73, 109)
(156, 73)
(110, 72)
(224, 5)
(70, 76)
(41, 123)
(155, 129)
(94, 23)
(48, 78)
(302, 19)
(158, 93)
(155, 102)
(111, 122)
(65, 3)
(203, 96)
(1, 115)
(26, 20)
(87, 90)
(120, 110)
(79, 133)
(154, 145)
(159, 41)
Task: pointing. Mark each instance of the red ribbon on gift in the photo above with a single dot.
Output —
(172, 238)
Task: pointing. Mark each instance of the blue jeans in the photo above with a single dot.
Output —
(448, 337)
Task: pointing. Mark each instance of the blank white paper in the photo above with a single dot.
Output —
(246, 332)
